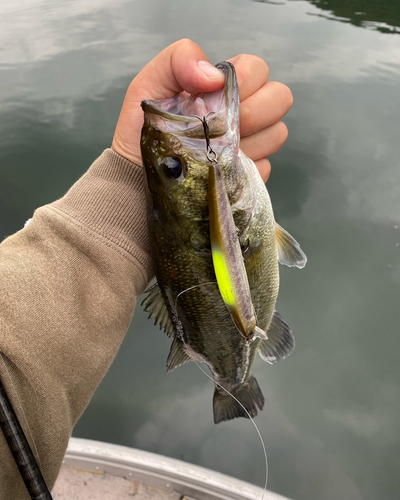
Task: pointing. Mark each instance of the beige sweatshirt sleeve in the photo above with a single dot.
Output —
(68, 287)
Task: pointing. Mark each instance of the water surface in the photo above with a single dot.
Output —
(331, 420)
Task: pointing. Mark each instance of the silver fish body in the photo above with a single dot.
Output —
(187, 302)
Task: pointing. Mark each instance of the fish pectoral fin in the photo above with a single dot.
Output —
(176, 356)
(280, 341)
(289, 251)
(154, 304)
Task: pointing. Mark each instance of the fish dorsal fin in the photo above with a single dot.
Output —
(280, 341)
(155, 305)
(289, 251)
(176, 356)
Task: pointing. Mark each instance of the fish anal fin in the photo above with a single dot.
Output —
(155, 305)
(280, 341)
(176, 356)
(227, 408)
(289, 251)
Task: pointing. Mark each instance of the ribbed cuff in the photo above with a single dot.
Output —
(110, 200)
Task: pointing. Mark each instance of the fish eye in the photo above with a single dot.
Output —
(172, 167)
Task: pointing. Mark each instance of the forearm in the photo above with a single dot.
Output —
(68, 287)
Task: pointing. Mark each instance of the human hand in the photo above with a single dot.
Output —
(183, 66)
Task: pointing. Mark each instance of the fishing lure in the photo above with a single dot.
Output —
(226, 251)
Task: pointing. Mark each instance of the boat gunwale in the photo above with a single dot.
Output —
(160, 471)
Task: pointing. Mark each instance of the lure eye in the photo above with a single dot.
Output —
(172, 167)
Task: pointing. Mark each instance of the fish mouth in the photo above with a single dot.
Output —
(178, 115)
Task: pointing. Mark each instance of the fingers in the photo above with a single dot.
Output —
(264, 108)
(266, 142)
(181, 66)
(252, 73)
(264, 167)
(263, 105)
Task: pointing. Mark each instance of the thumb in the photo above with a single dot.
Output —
(181, 66)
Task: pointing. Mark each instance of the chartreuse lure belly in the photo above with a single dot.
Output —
(227, 258)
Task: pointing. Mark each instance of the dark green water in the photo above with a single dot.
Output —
(332, 418)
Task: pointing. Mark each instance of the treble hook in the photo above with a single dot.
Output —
(211, 154)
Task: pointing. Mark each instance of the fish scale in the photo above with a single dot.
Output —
(187, 293)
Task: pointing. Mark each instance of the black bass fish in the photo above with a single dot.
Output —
(216, 261)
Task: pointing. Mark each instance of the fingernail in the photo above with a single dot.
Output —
(210, 70)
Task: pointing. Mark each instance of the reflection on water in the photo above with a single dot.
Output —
(37, 135)
(381, 15)
(330, 422)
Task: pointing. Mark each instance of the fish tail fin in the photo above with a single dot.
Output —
(226, 407)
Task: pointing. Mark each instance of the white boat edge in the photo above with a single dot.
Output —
(160, 471)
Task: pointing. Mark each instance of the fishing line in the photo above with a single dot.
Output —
(226, 390)
(212, 158)
(191, 288)
(252, 421)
